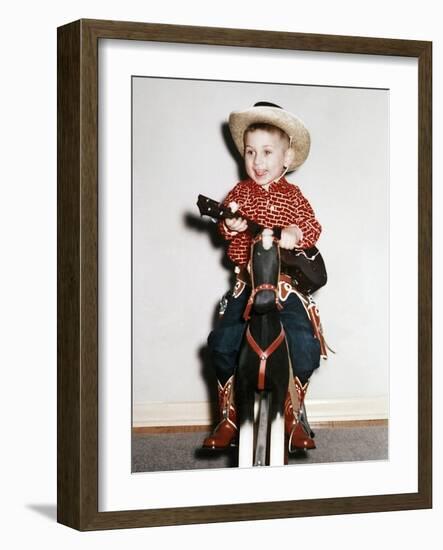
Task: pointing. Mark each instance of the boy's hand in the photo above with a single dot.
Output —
(236, 225)
(290, 237)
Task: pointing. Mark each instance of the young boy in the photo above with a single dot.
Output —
(272, 142)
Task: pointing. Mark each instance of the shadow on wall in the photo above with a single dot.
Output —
(48, 511)
(230, 145)
(194, 222)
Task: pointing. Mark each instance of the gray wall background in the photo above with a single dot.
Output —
(181, 147)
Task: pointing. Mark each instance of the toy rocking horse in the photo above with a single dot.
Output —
(264, 364)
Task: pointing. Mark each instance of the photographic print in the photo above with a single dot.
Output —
(187, 269)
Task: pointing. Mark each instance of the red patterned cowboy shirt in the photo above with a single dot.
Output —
(281, 206)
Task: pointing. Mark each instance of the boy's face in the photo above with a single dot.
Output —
(266, 154)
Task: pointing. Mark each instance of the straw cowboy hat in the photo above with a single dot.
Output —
(269, 113)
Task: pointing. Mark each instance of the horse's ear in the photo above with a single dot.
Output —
(267, 239)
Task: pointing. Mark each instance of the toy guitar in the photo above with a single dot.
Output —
(305, 266)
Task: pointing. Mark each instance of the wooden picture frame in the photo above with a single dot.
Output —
(78, 465)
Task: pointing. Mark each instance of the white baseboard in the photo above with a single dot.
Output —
(200, 413)
(323, 410)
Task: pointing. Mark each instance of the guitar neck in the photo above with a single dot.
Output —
(254, 228)
(219, 211)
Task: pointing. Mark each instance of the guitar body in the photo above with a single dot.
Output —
(305, 266)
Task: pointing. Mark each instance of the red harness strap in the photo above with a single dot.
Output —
(264, 354)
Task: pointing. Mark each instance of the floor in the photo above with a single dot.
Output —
(154, 452)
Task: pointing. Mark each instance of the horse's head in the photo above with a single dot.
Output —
(265, 271)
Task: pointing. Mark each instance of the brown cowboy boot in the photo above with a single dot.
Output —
(226, 430)
(300, 437)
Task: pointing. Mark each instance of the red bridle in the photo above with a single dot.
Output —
(264, 286)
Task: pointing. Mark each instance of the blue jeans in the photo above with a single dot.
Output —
(225, 340)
